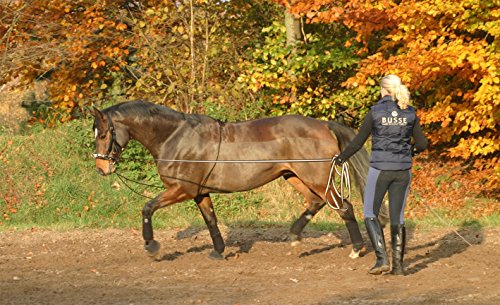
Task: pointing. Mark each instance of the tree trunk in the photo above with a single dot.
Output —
(293, 35)
(292, 24)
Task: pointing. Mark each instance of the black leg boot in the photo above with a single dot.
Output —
(378, 242)
(398, 241)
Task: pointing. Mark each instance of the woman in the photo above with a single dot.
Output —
(392, 123)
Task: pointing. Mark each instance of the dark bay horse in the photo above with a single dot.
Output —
(172, 135)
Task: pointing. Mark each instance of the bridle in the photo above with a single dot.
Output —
(114, 149)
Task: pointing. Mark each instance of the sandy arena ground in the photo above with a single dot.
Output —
(261, 267)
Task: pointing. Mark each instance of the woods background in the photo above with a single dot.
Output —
(245, 59)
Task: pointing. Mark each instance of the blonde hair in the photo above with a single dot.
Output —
(392, 83)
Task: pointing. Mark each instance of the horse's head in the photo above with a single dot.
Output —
(110, 141)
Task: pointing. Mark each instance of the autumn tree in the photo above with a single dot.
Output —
(447, 53)
(179, 53)
(305, 77)
(78, 46)
(188, 53)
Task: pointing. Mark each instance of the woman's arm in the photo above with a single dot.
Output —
(359, 140)
(419, 137)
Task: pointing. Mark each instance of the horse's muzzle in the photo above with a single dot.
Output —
(104, 167)
(101, 172)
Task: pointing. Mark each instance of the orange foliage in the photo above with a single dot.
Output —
(443, 184)
(95, 51)
(77, 43)
(446, 51)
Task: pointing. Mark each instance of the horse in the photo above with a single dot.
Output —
(171, 136)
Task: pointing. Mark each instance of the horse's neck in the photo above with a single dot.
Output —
(152, 132)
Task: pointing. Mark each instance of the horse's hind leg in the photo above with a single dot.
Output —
(304, 219)
(315, 203)
(353, 229)
(206, 208)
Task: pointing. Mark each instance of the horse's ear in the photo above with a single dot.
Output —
(96, 113)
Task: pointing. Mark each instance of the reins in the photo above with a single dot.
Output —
(123, 178)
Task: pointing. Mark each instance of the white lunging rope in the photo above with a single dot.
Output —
(246, 161)
(345, 185)
(331, 187)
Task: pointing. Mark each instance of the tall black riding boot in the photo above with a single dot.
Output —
(398, 241)
(378, 242)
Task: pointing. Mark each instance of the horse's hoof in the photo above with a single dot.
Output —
(152, 247)
(294, 238)
(354, 254)
(357, 253)
(216, 255)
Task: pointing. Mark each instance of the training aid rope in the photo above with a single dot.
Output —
(331, 186)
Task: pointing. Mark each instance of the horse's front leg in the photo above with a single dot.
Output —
(206, 208)
(169, 197)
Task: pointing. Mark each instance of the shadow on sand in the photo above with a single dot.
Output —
(446, 246)
(443, 247)
(243, 241)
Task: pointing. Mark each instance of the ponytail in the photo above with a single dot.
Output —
(402, 96)
(398, 91)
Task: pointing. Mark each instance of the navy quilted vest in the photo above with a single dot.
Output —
(391, 134)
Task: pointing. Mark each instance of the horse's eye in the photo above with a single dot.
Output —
(100, 135)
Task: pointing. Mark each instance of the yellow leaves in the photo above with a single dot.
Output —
(476, 146)
(121, 26)
(471, 126)
(455, 75)
(440, 113)
(425, 71)
(178, 29)
(446, 122)
(396, 37)
(311, 14)
(97, 64)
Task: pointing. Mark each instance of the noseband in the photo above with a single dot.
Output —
(114, 149)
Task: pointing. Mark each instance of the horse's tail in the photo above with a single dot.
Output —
(359, 161)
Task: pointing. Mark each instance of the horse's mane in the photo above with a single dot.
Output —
(141, 108)
(146, 110)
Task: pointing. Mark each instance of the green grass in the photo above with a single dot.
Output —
(49, 181)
